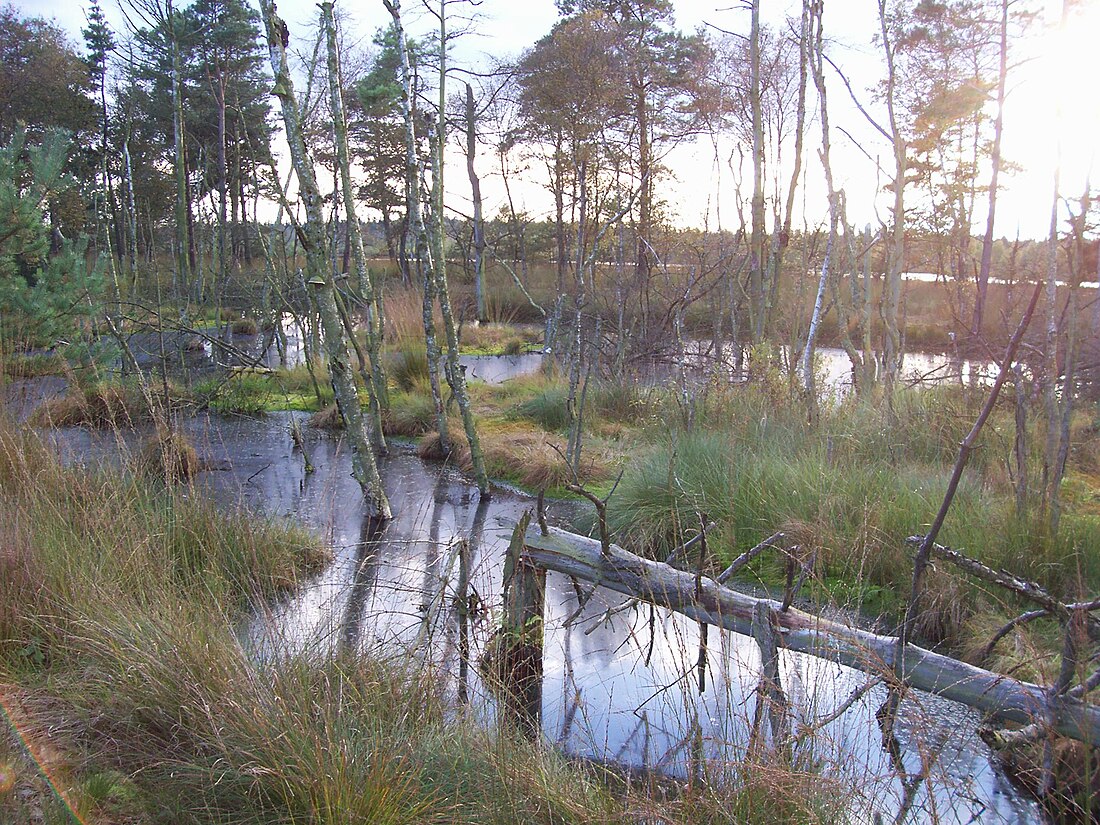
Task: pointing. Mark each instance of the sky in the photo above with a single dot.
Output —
(1052, 114)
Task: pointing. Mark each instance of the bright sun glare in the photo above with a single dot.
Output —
(1061, 114)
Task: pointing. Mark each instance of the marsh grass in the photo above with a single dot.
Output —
(240, 393)
(130, 601)
(244, 326)
(521, 455)
(410, 414)
(856, 485)
(101, 405)
(547, 408)
(32, 366)
(408, 367)
(167, 456)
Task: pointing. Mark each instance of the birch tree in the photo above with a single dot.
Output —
(364, 278)
(312, 236)
(806, 370)
(456, 373)
(415, 220)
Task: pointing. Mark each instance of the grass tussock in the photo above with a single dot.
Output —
(167, 456)
(408, 367)
(498, 339)
(518, 454)
(245, 326)
(410, 415)
(242, 392)
(328, 418)
(100, 405)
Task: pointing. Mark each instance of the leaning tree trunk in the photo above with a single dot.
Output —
(355, 235)
(312, 234)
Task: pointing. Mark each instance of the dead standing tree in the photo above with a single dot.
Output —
(312, 237)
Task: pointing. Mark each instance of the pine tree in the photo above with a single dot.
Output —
(46, 287)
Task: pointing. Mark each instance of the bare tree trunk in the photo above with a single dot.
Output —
(1020, 443)
(757, 307)
(580, 299)
(806, 368)
(354, 235)
(784, 238)
(184, 261)
(131, 209)
(891, 350)
(479, 223)
(998, 128)
(415, 223)
(223, 186)
(456, 374)
(364, 467)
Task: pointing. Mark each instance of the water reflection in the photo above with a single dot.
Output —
(617, 683)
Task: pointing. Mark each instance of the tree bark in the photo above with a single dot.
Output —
(364, 279)
(312, 235)
(479, 223)
(998, 128)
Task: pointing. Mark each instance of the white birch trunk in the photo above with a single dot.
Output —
(364, 467)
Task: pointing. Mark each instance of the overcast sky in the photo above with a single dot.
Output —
(506, 27)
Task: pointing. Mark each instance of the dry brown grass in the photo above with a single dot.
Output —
(101, 406)
(168, 456)
(404, 312)
(21, 587)
(1075, 796)
(327, 419)
(519, 454)
(947, 602)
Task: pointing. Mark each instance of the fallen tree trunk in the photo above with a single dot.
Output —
(1002, 696)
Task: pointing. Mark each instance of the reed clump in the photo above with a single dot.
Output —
(245, 326)
(102, 405)
(168, 456)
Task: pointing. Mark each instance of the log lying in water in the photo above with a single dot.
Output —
(1002, 696)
